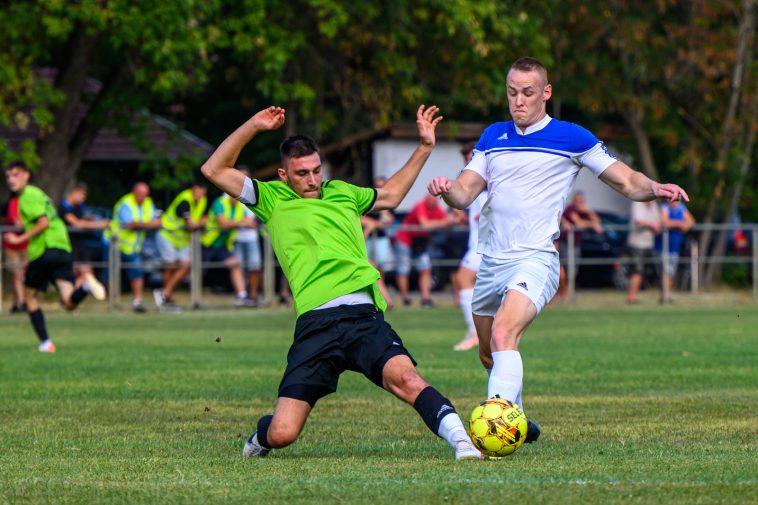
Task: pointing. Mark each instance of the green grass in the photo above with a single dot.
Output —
(638, 405)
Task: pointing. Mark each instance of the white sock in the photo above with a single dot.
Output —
(452, 430)
(507, 376)
(466, 295)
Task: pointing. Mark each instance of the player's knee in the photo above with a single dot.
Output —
(406, 384)
(486, 358)
(281, 435)
(504, 338)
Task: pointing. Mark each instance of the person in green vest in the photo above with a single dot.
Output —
(133, 215)
(315, 229)
(49, 252)
(224, 218)
(186, 214)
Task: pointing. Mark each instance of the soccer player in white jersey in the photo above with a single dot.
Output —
(466, 273)
(528, 165)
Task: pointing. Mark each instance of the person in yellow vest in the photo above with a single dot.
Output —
(225, 217)
(133, 214)
(185, 214)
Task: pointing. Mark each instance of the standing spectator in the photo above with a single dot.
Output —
(677, 219)
(247, 248)
(49, 252)
(410, 245)
(375, 229)
(645, 225)
(134, 214)
(185, 214)
(15, 256)
(225, 216)
(74, 213)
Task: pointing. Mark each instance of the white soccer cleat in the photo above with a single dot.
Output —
(94, 287)
(470, 341)
(464, 449)
(253, 449)
(46, 346)
(158, 297)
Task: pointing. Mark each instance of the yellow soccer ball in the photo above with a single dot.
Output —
(497, 427)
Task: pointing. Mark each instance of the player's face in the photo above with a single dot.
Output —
(303, 175)
(527, 95)
(17, 179)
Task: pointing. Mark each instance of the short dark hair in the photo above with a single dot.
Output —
(297, 146)
(17, 164)
(529, 64)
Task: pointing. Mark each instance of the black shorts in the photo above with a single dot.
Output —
(54, 264)
(330, 341)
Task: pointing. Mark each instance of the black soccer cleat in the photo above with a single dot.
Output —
(533, 431)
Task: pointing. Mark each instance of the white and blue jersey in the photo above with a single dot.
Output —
(529, 177)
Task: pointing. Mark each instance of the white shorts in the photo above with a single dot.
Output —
(471, 260)
(169, 252)
(536, 276)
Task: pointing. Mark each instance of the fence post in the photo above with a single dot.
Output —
(571, 266)
(114, 272)
(694, 266)
(665, 260)
(755, 262)
(269, 282)
(2, 269)
(196, 271)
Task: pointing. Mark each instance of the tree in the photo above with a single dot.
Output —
(71, 68)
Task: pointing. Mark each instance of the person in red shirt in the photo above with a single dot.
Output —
(410, 245)
(15, 255)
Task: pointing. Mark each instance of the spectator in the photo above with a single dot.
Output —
(678, 221)
(15, 255)
(186, 214)
(410, 245)
(375, 225)
(79, 222)
(645, 220)
(225, 216)
(134, 214)
(577, 217)
(247, 248)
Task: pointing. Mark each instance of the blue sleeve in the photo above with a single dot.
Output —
(582, 140)
(125, 214)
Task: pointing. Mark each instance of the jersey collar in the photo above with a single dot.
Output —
(536, 126)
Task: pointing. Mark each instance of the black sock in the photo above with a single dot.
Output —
(38, 323)
(263, 424)
(432, 407)
(78, 295)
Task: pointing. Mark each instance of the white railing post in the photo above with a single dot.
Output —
(571, 266)
(694, 266)
(196, 270)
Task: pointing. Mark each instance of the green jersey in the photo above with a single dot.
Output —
(319, 241)
(33, 203)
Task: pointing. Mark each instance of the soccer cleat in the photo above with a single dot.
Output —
(137, 307)
(470, 341)
(464, 449)
(46, 346)
(253, 449)
(533, 431)
(94, 287)
(427, 304)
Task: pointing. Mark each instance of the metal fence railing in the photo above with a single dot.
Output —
(694, 261)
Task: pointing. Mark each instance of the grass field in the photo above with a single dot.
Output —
(638, 405)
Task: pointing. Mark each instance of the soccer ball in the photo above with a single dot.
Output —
(497, 427)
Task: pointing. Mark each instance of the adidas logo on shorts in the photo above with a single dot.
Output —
(522, 285)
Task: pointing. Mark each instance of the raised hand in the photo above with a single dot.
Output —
(427, 123)
(439, 186)
(268, 119)
(671, 192)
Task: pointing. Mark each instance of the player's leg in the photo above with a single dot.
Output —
(278, 430)
(466, 280)
(400, 377)
(37, 318)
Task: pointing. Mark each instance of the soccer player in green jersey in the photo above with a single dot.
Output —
(49, 252)
(316, 234)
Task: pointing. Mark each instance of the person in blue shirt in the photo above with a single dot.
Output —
(678, 220)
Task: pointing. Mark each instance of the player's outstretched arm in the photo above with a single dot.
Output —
(459, 193)
(637, 186)
(394, 190)
(219, 169)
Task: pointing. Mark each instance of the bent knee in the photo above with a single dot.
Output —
(281, 435)
(406, 384)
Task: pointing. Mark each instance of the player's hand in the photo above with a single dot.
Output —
(13, 238)
(439, 186)
(268, 119)
(671, 192)
(427, 123)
